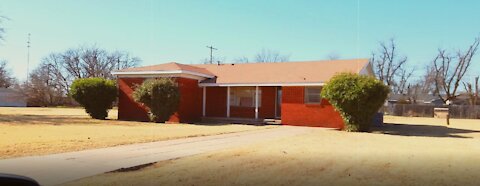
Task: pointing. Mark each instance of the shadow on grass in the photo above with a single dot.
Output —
(223, 123)
(41, 119)
(421, 130)
(69, 119)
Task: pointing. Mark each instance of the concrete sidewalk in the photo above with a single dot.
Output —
(60, 168)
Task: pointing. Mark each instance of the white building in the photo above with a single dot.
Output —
(12, 98)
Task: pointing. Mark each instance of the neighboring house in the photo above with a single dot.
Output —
(427, 99)
(289, 91)
(421, 99)
(12, 98)
(464, 99)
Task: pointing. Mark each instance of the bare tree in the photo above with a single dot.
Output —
(123, 60)
(2, 29)
(391, 68)
(413, 91)
(450, 69)
(472, 91)
(265, 56)
(6, 79)
(215, 60)
(333, 56)
(57, 71)
(50, 82)
(86, 62)
(427, 84)
(95, 62)
(400, 86)
(242, 60)
(42, 88)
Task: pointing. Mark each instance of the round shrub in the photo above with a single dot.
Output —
(357, 97)
(161, 96)
(96, 95)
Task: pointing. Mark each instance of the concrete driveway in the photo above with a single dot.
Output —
(60, 168)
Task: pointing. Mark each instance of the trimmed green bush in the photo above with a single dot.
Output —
(357, 97)
(161, 96)
(96, 95)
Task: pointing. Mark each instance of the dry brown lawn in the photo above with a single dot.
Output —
(39, 131)
(408, 151)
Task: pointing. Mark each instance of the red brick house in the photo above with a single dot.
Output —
(289, 91)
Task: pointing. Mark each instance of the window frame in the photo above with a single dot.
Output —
(307, 95)
(234, 101)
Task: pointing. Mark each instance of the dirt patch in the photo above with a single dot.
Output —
(134, 168)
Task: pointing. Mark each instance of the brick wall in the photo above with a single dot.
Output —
(190, 108)
(216, 102)
(127, 108)
(296, 112)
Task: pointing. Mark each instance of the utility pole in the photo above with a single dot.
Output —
(211, 53)
(28, 56)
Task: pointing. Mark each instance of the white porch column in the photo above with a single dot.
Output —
(256, 102)
(228, 102)
(204, 101)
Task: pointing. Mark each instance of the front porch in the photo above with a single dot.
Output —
(241, 104)
(235, 120)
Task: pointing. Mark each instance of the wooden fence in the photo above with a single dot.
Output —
(415, 110)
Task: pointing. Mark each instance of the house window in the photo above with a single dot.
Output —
(244, 97)
(312, 95)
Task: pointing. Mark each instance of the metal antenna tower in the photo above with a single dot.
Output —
(211, 53)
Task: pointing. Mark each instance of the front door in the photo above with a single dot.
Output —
(278, 103)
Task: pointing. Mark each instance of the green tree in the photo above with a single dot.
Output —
(357, 97)
(96, 95)
(161, 96)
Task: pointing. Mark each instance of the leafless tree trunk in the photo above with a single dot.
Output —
(413, 91)
(450, 69)
(390, 68)
(472, 91)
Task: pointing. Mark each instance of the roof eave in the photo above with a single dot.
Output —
(119, 73)
(260, 84)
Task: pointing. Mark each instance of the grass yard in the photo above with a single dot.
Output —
(39, 131)
(408, 151)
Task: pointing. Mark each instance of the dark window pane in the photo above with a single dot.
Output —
(312, 94)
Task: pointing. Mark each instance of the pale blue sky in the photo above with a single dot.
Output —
(162, 31)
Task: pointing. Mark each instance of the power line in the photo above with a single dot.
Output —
(211, 53)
